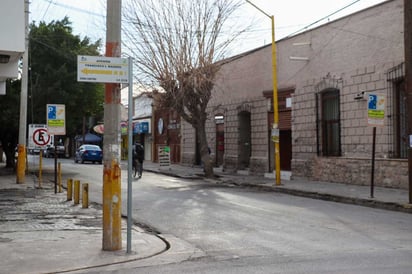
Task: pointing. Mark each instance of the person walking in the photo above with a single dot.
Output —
(138, 157)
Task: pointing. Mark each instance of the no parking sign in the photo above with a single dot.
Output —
(41, 137)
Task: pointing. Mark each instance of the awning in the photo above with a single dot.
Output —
(89, 138)
(100, 128)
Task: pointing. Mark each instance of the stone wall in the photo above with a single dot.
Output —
(388, 172)
(351, 54)
(259, 132)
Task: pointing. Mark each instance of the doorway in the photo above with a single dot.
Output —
(245, 146)
(220, 140)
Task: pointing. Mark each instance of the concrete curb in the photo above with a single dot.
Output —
(370, 202)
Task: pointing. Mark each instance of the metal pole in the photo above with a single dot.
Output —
(275, 104)
(40, 168)
(21, 159)
(55, 167)
(112, 202)
(59, 176)
(373, 161)
(275, 126)
(408, 81)
(129, 158)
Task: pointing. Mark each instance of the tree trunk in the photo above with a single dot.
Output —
(204, 150)
(9, 151)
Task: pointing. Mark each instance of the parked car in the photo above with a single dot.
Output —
(49, 151)
(90, 153)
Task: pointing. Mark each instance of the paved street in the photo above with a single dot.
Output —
(184, 224)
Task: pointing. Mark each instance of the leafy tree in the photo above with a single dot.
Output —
(53, 68)
(53, 51)
(176, 44)
(9, 120)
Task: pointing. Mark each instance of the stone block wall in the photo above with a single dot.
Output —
(259, 132)
(357, 171)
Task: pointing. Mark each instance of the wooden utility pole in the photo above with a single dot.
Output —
(112, 202)
(408, 82)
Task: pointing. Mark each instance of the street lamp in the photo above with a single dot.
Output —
(275, 126)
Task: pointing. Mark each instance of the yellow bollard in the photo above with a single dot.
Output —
(76, 193)
(85, 196)
(69, 189)
(21, 164)
(59, 176)
(112, 203)
(40, 168)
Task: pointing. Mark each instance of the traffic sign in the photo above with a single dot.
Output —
(41, 137)
(275, 135)
(56, 119)
(376, 110)
(100, 69)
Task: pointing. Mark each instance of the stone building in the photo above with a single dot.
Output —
(325, 77)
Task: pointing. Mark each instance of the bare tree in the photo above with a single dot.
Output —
(176, 44)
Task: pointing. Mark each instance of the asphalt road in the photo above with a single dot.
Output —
(245, 230)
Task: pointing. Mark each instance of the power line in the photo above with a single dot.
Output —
(323, 18)
(75, 9)
(47, 9)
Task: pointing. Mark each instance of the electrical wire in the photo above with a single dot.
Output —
(47, 9)
(75, 9)
(323, 18)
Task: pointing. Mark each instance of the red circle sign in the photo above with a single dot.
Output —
(41, 137)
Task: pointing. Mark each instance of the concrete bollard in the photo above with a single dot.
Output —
(76, 196)
(85, 196)
(69, 189)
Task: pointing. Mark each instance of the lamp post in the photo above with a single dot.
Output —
(275, 126)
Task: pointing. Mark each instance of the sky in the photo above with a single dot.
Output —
(88, 16)
(291, 16)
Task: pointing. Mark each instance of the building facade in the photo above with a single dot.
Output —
(326, 76)
(142, 122)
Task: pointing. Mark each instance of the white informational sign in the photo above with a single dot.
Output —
(275, 135)
(38, 138)
(41, 137)
(376, 110)
(100, 69)
(289, 102)
(56, 119)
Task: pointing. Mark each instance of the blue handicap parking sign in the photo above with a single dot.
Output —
(372, 102)
(51, 112)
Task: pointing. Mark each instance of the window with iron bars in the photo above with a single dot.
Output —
(328, 123)
(398, 112)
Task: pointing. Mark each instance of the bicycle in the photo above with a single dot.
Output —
(135, 163)
(137, 168)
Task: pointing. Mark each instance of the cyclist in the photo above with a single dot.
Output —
(138, 157)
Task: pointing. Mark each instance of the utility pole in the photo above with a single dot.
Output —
(408, 81)
(21, 159)
(112, 202)
(275, 126)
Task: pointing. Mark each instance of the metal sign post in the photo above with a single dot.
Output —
(115, 70)
(56, 125)
(376, 117)
(129, 159)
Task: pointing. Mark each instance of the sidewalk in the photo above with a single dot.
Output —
(384, 198)
(41, 232)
